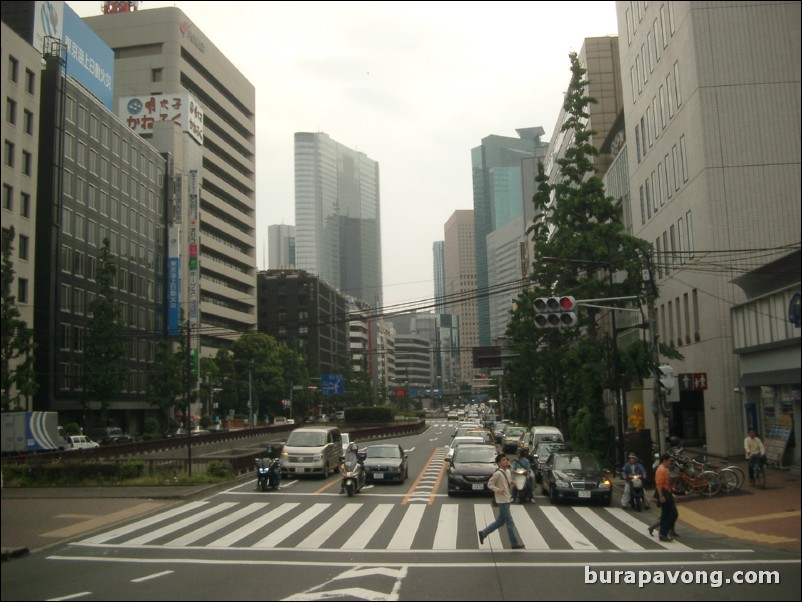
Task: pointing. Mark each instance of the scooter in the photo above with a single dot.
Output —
(519, 478)
(353, 476)
(268, 473)
(636, 492)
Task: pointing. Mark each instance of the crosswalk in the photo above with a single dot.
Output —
(356, 526)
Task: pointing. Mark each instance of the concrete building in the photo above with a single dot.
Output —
(161, 52)
(712, 118)
(20, 81)
(338, 216)
(438, 266)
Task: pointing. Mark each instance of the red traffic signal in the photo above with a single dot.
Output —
(555, 312)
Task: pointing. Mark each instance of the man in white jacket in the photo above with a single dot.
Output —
(499, 484)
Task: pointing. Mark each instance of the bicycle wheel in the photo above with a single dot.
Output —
(728, 480)
(739, 473)
(707, 483)
(760, 477)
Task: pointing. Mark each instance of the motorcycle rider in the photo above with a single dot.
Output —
(522, 461)
(631, 468)
(351, 457)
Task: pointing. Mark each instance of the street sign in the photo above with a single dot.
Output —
(332, 384)
(692, 381)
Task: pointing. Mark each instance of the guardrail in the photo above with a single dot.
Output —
(240, 464)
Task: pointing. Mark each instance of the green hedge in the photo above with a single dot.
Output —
(370, 414)
(72, 473)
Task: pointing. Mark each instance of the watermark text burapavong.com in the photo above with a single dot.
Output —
(715, 578)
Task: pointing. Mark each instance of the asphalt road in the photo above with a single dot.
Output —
(405, 542)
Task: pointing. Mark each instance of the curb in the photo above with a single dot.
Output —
(9, 553)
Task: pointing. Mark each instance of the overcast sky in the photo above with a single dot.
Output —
(413, 85)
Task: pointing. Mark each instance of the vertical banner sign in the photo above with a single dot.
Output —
(178, 199)
(174, 281)
(194, 267)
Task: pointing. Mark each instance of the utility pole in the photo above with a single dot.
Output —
(658, 400)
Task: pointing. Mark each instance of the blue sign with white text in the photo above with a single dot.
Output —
(332, 384)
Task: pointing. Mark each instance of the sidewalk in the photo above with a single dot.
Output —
(762, 517)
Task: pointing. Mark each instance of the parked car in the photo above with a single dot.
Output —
(576, 476)
(80, 442)
(512, 439)
(179, 432)
(471, 468)
(541, 456)
(108, 435)
(386, 462)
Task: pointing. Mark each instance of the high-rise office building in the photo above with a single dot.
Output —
(338, 217)
(438, 252)
(161, 52)
(497, 199)
(281, 246)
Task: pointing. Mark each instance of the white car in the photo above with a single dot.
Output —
(457, 441)
(80, 442)
(346, 439)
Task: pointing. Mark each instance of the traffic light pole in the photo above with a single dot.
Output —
(658, 399)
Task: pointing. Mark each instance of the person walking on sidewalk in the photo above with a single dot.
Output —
(754, 450)
(499, 484)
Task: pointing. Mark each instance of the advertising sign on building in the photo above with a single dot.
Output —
(173, 281)
(87, 58)
(141, 112)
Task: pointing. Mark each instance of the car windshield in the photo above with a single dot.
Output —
(383, 452)
(475, 455)
(460, 440)
(513, 432)
(306, 439)
(575, 462)
(544, 449)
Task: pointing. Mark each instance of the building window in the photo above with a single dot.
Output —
(689, 234)
(13, 69)
(28, 122)
(8, 197)
(11, 111)
(22, 290)
(8, 153)
(27, 163)
(677, 88)
(30, 81)
(23, 246)
(25, 204)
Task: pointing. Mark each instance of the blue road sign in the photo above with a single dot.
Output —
(332, 384)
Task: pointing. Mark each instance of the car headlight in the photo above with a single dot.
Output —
(605, 484)
(317, 458)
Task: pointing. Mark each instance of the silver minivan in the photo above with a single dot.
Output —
(545, 434)
(312, 450)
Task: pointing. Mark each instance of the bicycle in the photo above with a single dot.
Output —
(689, 478)
(757, 475)
(730, 477)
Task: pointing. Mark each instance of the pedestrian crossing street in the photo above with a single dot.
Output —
(354, 526)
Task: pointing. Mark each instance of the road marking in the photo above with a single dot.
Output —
(703, 523)
(176, 526)
(319, 537)
(93, 522)
(760, 517)
(72, 596)
(402, 540)
(569, 532)
(144, 523)
(527, 529)
(253, 526)
(153, 576)
(411, 492)
(287, 529)
(445, 538)
(205, 530)
(369, 527)
(611, 533)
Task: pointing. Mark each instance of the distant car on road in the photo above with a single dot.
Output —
(386, 462)
(80, 442)
(576, 476)
(457, 441)
(108, 435)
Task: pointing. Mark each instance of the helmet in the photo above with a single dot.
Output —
(353, 447)
(632, 455)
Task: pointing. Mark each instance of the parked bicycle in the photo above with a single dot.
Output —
(691, 477)
(730, 477)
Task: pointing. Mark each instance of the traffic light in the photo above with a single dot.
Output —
(555, 312)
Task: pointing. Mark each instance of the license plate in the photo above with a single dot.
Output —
(478, 486)
(584, 494)
(378, 475)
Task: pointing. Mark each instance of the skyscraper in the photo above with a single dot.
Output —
(281, 246)
(337, 216)
(160, 51)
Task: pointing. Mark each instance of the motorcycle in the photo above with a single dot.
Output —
(353, 475)
(268, 473)
(637, 498)
(519, 477)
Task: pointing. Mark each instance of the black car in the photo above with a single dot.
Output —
(386, 462)
(541, 455)
(576, 476)
(471, 467)
(511, 440)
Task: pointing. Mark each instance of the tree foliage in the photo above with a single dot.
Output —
(579, 243)
(104, 365)
(16, 340)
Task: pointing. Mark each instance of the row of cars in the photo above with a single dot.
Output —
(562, 473)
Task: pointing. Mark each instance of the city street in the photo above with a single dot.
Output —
(397, 542)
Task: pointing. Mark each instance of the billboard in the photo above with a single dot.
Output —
(141, 112)
(88, 59)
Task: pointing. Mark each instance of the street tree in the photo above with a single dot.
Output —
(104, 357)
(580, 243)
(16, 341)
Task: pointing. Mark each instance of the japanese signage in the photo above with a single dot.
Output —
(194, 266)
(173, 282)
(140, 113)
